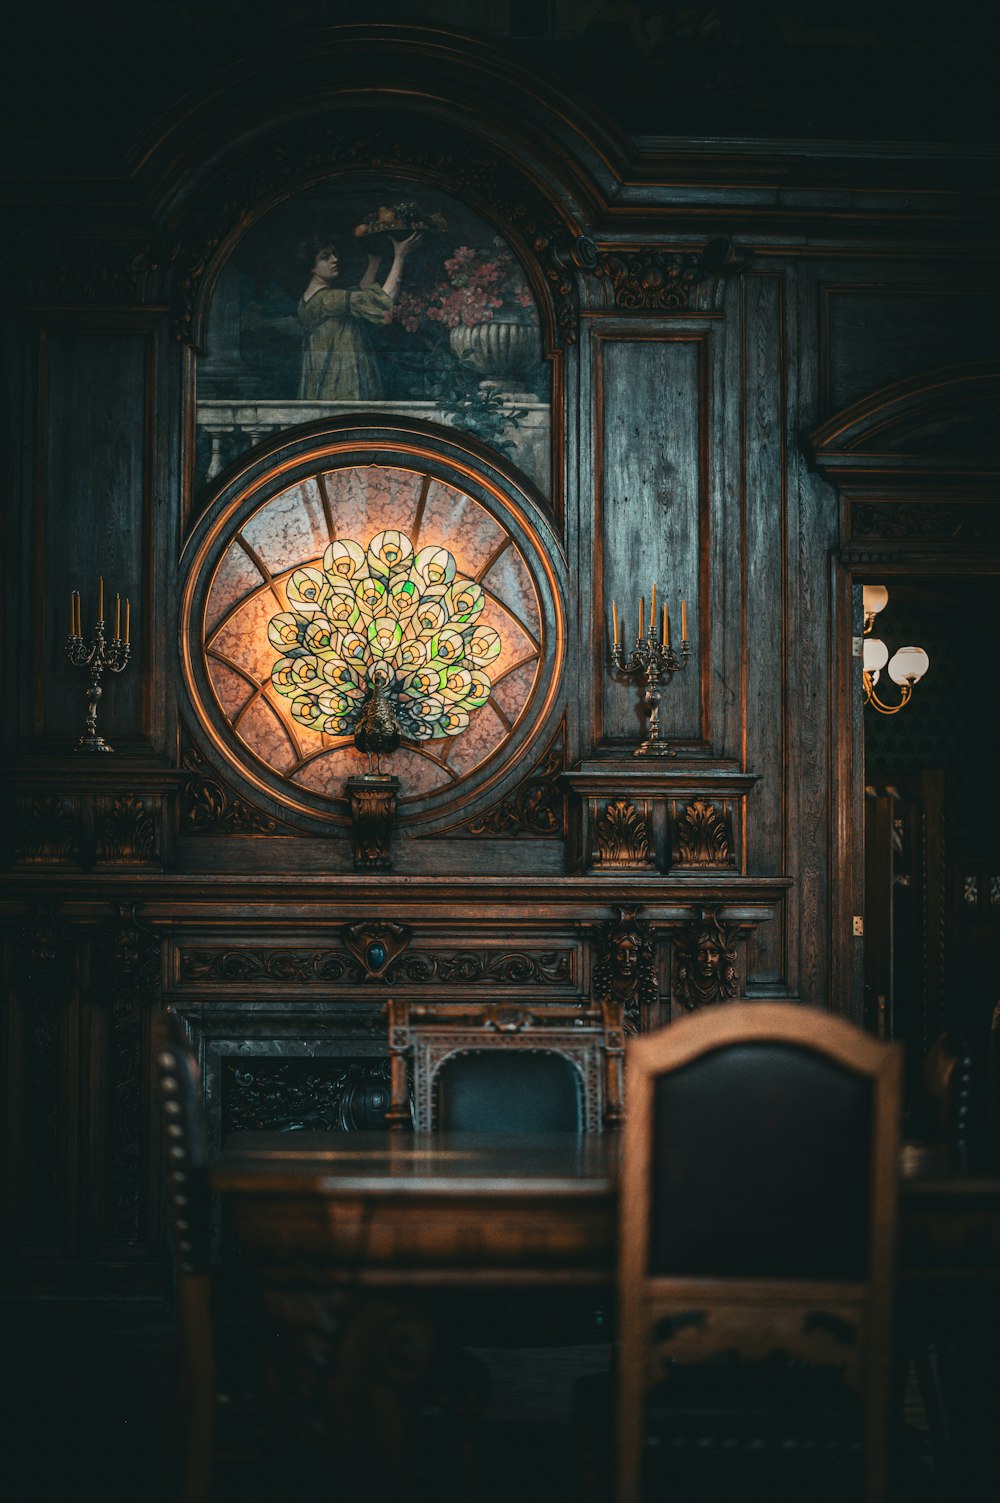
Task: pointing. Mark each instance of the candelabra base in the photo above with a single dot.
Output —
(93, 743)
(654, 747)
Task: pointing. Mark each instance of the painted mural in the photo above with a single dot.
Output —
(389, 296)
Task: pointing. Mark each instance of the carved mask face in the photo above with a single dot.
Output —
(625, 956)
(707, 957)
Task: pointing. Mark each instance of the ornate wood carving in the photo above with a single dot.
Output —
(705, 962)
(210, 807)
(93, 271)
(623, 838)
(374, 946)
(128, 831)
(126, 976)
(312, 149)
(249, 967)
(309, 967)
(536, 807)
(282, 1095)
(469, 967)
(702, 834)
(649, 280)
(372, 802)
(930, 521)
(46, 830)
(625, 971)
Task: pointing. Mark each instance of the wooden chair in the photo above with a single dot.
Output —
(215, 1418)
(193, 1399)
(498, 1067)
(757, 1223)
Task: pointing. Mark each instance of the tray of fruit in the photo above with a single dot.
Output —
(402, 219)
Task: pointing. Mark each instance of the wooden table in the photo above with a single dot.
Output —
(348, 1235)
(379, 1208)
(354, 1240)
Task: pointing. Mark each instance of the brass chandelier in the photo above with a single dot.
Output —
(906, 666)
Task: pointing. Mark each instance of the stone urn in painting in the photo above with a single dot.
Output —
(503, 349)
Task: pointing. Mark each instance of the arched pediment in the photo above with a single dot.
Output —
(474, 91)
(940, 423)
(916, 464)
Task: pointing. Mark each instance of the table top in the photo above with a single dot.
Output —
(568, 1165)
(456, 1207)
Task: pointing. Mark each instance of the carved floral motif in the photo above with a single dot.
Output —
(702, 835)
(210, 807)
(46, 829)
(266, 966)
(623, 838)
(307, 967)
(938, 521)
(284, 1095)
(657, 281)
(465, 967)
(127, 832)
(536, 807)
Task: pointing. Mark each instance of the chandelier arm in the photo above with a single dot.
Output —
(906, 690)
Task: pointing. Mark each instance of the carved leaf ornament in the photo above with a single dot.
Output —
(622, 836)
(702, 838)
(386, 607)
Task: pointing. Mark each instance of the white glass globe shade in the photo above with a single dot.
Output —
(876, 598)
(876, 654)
(908, 665)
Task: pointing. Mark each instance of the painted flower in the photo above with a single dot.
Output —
(477, 284)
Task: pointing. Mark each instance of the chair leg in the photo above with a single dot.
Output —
(196, 1388)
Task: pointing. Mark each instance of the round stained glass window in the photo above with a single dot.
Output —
(429, 592)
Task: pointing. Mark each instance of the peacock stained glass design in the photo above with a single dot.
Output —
(365, 575)
(408, 621)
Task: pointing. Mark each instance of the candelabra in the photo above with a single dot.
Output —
(654, 659)
(98, 657)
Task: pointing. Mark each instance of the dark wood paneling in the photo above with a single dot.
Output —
(811, 535)
(94, 491)
(652, 427)
(764, 659)
(872, 335)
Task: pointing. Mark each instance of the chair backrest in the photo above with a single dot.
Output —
(757, 1203)
(186, 1156)
(505, 1068)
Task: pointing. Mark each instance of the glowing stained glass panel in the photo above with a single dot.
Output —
(368, 569)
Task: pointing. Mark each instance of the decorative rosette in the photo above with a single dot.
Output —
(384, 607)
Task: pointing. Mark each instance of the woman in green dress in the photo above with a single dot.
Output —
(338, 361)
